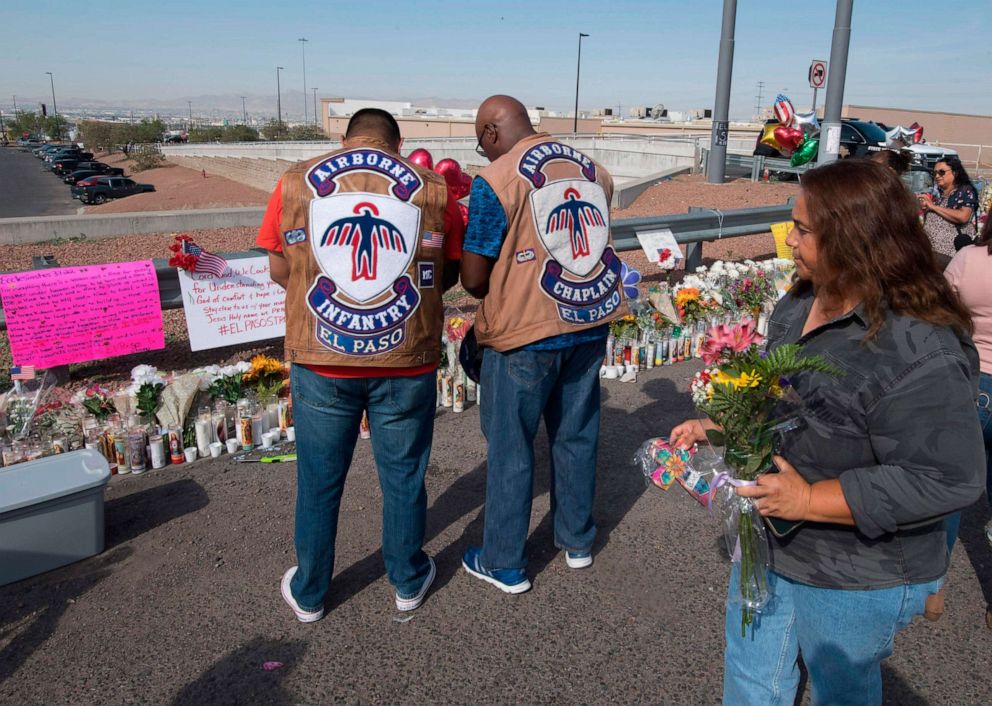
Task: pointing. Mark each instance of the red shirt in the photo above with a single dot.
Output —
(270, 238)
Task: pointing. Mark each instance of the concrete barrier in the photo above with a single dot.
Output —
(19, 231)
(259, 164)
(627, 193)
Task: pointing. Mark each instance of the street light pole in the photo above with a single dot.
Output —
(716, 164)
(578, 66)
(244, 110)
(190, 105)
(315, 120)
(55, 107)
(279, 96)
(15, 106)
(831, 125)
(303, 44)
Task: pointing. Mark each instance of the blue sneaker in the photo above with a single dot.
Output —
(506, 580)
(412, 602)
(578, 560)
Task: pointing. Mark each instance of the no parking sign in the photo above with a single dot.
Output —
(818, 73)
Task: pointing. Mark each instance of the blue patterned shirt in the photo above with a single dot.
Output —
(485, 235)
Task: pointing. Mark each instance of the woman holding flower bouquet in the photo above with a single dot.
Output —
(889, 445)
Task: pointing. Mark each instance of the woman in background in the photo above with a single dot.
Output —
(947, 217)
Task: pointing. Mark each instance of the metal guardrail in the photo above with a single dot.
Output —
(757, 164)
(691, 229)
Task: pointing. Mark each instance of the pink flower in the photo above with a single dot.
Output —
(724, 340)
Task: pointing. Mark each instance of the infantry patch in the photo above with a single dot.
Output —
(295, 236)
(527, 255)
(532, 162)
(425, 272)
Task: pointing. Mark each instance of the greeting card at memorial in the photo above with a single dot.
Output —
(660, 247)
(243, 306)
(75, 314)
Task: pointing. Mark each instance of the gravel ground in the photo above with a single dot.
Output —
(178, 188)
(183, 605)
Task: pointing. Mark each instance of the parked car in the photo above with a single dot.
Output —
(103, 188)
(87, 172)
(857, 139)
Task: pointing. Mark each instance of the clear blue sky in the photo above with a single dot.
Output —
(911, 53)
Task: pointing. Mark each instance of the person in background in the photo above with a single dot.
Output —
(948, 215)
(896, 160)
(970, 273)
(538, 252)
(890, 446)
(364, 242)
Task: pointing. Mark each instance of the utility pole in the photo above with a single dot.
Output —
(757, 100)
(717, 162)
(15, 106)
(279, 96)
(303, 43)
(190, 105)
(578, 66)
(315, 116)
(244, 110)
(55, 108)
(837, 72)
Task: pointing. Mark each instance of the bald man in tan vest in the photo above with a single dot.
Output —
(539, 254)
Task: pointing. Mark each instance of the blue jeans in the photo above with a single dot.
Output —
(519, 387)
(953, 522)
(842, 635)
(327, 413)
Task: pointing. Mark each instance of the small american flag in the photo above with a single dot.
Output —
(205, 261)
(433, 239)
(22, 372)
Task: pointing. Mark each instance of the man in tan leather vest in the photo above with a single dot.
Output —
(364, 242)
(539, 254)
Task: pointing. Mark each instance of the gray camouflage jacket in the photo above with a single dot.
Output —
(899, 429)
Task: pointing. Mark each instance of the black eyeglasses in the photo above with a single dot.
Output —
(939, 172)
(478, 148)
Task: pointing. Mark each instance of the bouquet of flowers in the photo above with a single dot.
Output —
(743, 392)
(97, 400)
(226, 383)
(649, 320)
(750, 293)
(146, 387)
(266, 374)
(180, 258)
(457, 327)
(624, 328)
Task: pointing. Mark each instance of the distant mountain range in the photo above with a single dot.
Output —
(209, 106)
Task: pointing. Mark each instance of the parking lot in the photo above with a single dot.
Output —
(29, 190)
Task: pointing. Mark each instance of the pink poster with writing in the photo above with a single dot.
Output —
(75, 314)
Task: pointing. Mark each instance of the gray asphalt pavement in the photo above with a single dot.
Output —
(29, 190)
(183, 606)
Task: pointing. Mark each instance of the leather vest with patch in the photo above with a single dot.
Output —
(557, 271)
(363, 232)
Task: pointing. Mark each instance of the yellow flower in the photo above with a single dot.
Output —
(775, 390)
(747, 380)
(264, 365)
(721, 378)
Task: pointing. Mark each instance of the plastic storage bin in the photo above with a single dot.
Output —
(51, 513)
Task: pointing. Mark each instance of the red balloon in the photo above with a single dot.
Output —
(460, 189)
(788, 137)
(463, 209)
(447, 165)
(422, 157)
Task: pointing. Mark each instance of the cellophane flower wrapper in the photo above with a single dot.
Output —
(660, 463)
(745, 538)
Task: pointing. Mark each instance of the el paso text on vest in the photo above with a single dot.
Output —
(531, 159)
(368, 158)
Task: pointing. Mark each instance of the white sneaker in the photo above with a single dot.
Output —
(413, 602)
(304, 616)
(578, 560)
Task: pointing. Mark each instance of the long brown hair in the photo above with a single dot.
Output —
(870, 241)
(985, 237)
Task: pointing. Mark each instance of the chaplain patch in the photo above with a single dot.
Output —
(295, 236)
(425, 272)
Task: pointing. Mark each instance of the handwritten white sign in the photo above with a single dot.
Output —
(243, 306)
(660, 247)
